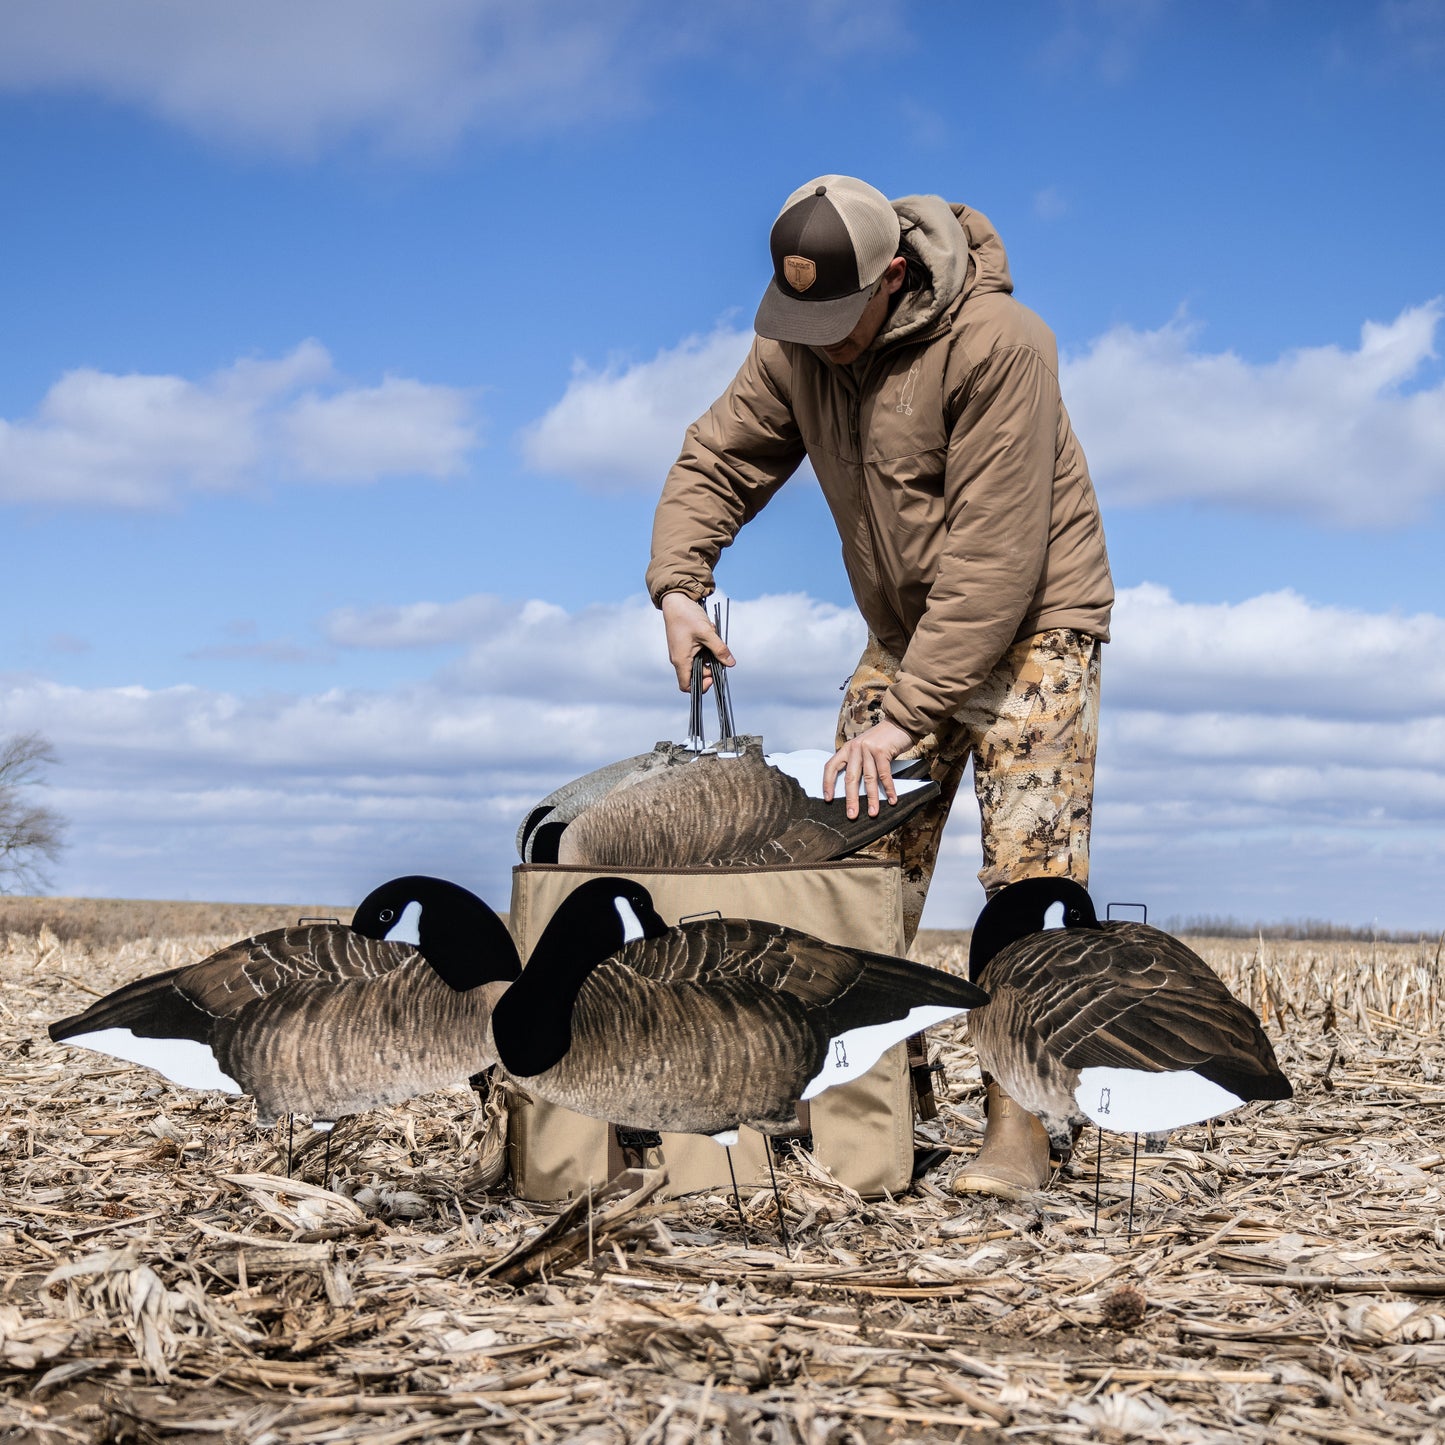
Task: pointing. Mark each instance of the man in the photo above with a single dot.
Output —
(891, 353)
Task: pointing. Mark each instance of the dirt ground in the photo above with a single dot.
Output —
(1282, 1277)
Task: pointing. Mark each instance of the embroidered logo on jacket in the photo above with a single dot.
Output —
(800, 272)
(904, 405)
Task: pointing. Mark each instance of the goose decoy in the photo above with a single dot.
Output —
(731, 805)
(1115, 1023)
(704, 1027)
(537, 838)
(325, 1019)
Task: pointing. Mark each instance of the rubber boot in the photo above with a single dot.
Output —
(1014, 1156)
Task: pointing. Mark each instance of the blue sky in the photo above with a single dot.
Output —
(347, 345)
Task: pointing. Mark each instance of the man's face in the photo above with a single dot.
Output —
(870, 323)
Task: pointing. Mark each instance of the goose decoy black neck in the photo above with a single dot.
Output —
(532, 1022)
(1023, 908)
(462, 939)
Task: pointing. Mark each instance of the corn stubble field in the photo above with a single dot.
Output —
(163, 1280)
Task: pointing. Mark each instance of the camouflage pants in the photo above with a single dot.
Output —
(1031, 728)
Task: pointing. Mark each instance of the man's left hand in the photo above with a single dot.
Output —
(863, 763)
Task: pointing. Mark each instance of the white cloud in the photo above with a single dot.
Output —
(791, 648)
(297, 77)
(1275, 654)
(1266, 759)
(622, 427)
(1330, 434)
(399, 426)
(140, 441)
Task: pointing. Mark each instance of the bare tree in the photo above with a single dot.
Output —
(28, 833)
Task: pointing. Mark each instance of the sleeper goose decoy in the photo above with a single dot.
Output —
(326, 1019)
(729, 806)
(1116, 1023)
(704, 1027)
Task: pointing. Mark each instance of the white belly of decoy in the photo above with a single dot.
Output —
(853, 1053)
(806, 766)
(182, 1061)
(1136, 1101)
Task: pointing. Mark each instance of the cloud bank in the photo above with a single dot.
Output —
(1324, 433)
(1320, 432)
(296, 78)
(1228, 782)
(146, 441)
(621, 427)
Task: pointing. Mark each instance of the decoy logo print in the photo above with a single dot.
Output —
(1103, 1101)
(840, 1053)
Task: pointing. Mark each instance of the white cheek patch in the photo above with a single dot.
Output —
(852, 1054)
(1054, 915)
(182, 1061)
(1135, 1101)
(727, 1138)
(407, 928)
(631, 927)
(806, 768)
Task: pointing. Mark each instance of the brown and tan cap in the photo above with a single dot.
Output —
(831, 242)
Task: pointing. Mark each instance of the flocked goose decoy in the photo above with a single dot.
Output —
(731, 805)
(1116, 1022)
(325, 1019)
(703, 1027)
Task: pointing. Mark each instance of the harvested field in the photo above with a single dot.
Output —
(163, 1280)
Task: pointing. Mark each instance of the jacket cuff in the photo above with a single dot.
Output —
(689, 585)
(900, 707)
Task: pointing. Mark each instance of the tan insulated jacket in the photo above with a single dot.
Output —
(961, 496)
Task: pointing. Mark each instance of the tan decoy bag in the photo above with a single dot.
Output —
(862, 1131)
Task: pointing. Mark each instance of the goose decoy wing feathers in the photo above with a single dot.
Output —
(724, 811)
(1128, 996)
(153, 1020)
(858, 1004)
(681, 1056)
(855, 986)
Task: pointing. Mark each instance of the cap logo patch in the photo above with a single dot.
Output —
(800, 272)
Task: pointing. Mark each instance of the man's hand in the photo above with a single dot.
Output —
(864, 762)
(688, 629)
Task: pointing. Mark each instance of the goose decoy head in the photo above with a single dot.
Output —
(1029, 906)
(459, 936)
(601, 916)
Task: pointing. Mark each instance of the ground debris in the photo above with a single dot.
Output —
(161, 1279)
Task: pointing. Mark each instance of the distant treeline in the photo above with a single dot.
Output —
(1300, 928)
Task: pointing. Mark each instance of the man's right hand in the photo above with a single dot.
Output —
(688, 628)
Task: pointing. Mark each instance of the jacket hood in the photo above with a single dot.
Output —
(962, 254)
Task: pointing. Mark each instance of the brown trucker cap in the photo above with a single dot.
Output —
(831, 242)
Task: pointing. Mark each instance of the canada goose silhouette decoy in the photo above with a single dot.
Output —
(1114, 1022)
(704, 1027)
(732, 805)
(325, 1019)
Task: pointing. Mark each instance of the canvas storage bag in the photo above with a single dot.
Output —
(862, 1131)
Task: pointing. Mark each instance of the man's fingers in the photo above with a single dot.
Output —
(885, 776)
(870, 782)
(853, 778)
